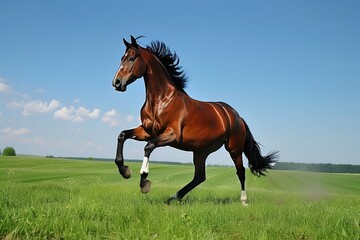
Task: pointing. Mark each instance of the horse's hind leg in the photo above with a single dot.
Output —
(235, 147)
(199, 176)
(236, 156)
(240, 171)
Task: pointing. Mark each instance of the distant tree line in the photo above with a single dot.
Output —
(318, 167)
(311, 167)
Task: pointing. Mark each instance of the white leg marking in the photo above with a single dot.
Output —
(243, 198)
(145, 166)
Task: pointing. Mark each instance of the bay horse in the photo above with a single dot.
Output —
(170, 117)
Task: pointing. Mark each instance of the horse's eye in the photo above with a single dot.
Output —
(131, 59)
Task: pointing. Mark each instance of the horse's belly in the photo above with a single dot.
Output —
(201, 138)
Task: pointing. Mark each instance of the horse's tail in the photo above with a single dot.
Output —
(258, 164)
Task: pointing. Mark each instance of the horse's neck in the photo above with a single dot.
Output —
(158, 85)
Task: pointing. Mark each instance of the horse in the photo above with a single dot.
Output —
(170, 117)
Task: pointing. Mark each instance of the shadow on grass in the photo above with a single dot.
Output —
(194, 200)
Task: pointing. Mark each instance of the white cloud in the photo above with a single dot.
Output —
(21, 131)
(64, 113)
(14, 105)
(110, 118)
(85, 113)
(10, 133)
(40, 107)
(4, 87)
(76, 115)
(129, 118)
(37, 141)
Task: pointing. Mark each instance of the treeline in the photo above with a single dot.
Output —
(318, 167)
(310, 167)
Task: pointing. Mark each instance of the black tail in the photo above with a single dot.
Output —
(258, 164)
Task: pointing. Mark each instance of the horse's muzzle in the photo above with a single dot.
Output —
(117, 84)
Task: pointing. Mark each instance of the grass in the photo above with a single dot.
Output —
(42, 198)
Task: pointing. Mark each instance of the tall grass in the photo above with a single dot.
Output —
(66, 199)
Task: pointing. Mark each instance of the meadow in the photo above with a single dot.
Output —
(46, 198)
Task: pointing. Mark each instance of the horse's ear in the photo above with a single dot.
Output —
(133, 42)
(127, 44)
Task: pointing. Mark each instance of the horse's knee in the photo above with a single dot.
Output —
(149, 148)
(122, 137)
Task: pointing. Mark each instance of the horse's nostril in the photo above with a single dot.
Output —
(117, 83)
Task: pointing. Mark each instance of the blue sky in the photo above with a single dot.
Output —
(290, 68)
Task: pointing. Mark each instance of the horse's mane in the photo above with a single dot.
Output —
(171, 62)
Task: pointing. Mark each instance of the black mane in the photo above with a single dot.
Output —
(170, 61)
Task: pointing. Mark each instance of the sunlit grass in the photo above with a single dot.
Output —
(66, 199)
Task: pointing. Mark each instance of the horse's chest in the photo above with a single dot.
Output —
(154, 119)
(152, 126)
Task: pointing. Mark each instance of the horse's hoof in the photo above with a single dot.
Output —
(244, 203)
(173, 199)
(125, 171)
(145, 187)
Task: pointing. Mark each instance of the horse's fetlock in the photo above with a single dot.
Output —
(121, 136)
(201, 179)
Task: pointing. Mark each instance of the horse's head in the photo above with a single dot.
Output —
(132, 66)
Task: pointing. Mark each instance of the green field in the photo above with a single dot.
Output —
(42, 198)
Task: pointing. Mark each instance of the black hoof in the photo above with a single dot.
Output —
(125, 171)
(173, 198)
(145, 186)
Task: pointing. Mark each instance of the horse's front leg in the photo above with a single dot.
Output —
(136, 133)
(163, 139)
